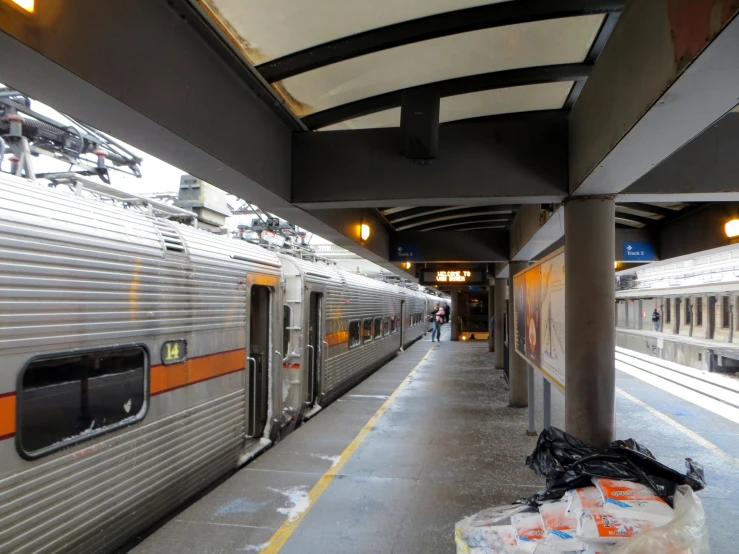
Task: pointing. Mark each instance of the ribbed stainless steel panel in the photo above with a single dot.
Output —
(120, 484)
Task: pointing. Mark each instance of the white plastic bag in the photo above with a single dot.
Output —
(583, 499)
(687, 533)
(471, 533)
(625, 499)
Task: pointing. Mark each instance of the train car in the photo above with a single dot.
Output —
(142, 359)
(339, 327)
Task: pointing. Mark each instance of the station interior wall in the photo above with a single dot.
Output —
(698, 230)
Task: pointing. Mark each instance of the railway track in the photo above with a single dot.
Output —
(717, 393)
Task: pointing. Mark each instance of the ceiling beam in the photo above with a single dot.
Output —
(502, 221)
(452, 87)
(647, 208)
(667, 73)
(606, 28)
(480, 164)
(434, 26)
(487, 245)
(620, 214)
(424, 212)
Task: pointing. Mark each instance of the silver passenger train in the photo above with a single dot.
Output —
(141, 359)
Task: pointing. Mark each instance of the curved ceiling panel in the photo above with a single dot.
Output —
(268, 30)
(539, 43)
(528, 98)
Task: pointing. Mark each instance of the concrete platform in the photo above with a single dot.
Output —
(695, 341)
(428, 439)
(447, 446)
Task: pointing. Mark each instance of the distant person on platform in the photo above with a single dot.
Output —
(655, 319)
(437, 317)
(447, 311)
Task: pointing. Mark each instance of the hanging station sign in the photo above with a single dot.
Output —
(453, 276)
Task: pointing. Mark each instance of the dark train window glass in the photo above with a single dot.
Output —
(378, 327)
(393, 324)
(366, 330)
(285, 330)
(72, 397)
(385, 326)
(725, 312)
(354, 338)
(699, 311)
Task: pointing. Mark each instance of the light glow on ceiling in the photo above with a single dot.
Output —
(27, 5)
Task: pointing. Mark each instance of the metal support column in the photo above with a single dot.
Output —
(518, 391)
(454, 316)
(501, 286)
(547, 402)
(491, 315)
(589, 319)
(531, 431)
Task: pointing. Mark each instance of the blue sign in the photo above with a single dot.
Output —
(638, 252)
(405, 253)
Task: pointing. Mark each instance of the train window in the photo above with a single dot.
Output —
(378, 328)
(71, 397)
(385, 326)
(366, 331)
(393, 324)
(285, 330)
(725, 312)
(699, 311)
(354, 336)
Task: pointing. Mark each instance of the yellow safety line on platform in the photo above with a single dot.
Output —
(275, 544)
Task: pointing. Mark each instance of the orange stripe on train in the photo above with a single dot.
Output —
(7, 416)
(169, 377)
(337, 338)
(163, 379)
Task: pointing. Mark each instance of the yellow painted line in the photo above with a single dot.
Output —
(275, 544)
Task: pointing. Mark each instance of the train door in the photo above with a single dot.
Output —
(315, 348)
(402, 323)
(258, 360)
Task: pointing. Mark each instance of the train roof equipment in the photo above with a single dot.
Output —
(26, 134)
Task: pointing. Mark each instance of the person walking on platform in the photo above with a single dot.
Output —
(437, 317)
(655, 319)
(447, 311)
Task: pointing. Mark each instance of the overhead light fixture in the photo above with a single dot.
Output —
(732, 228)
(364, 230)
(407, 265)
(27, 5)
(615, 265)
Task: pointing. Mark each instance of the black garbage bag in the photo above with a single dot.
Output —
(568, 463)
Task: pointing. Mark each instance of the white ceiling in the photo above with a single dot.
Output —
(270, 29)
(545, 96)
(540, 43)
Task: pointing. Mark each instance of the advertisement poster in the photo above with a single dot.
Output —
(539, 307)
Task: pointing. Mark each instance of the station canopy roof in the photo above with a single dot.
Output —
(343, 64)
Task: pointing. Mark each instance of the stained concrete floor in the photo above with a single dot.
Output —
(447, 447)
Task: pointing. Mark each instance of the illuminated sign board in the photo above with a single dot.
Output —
(453, 277)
